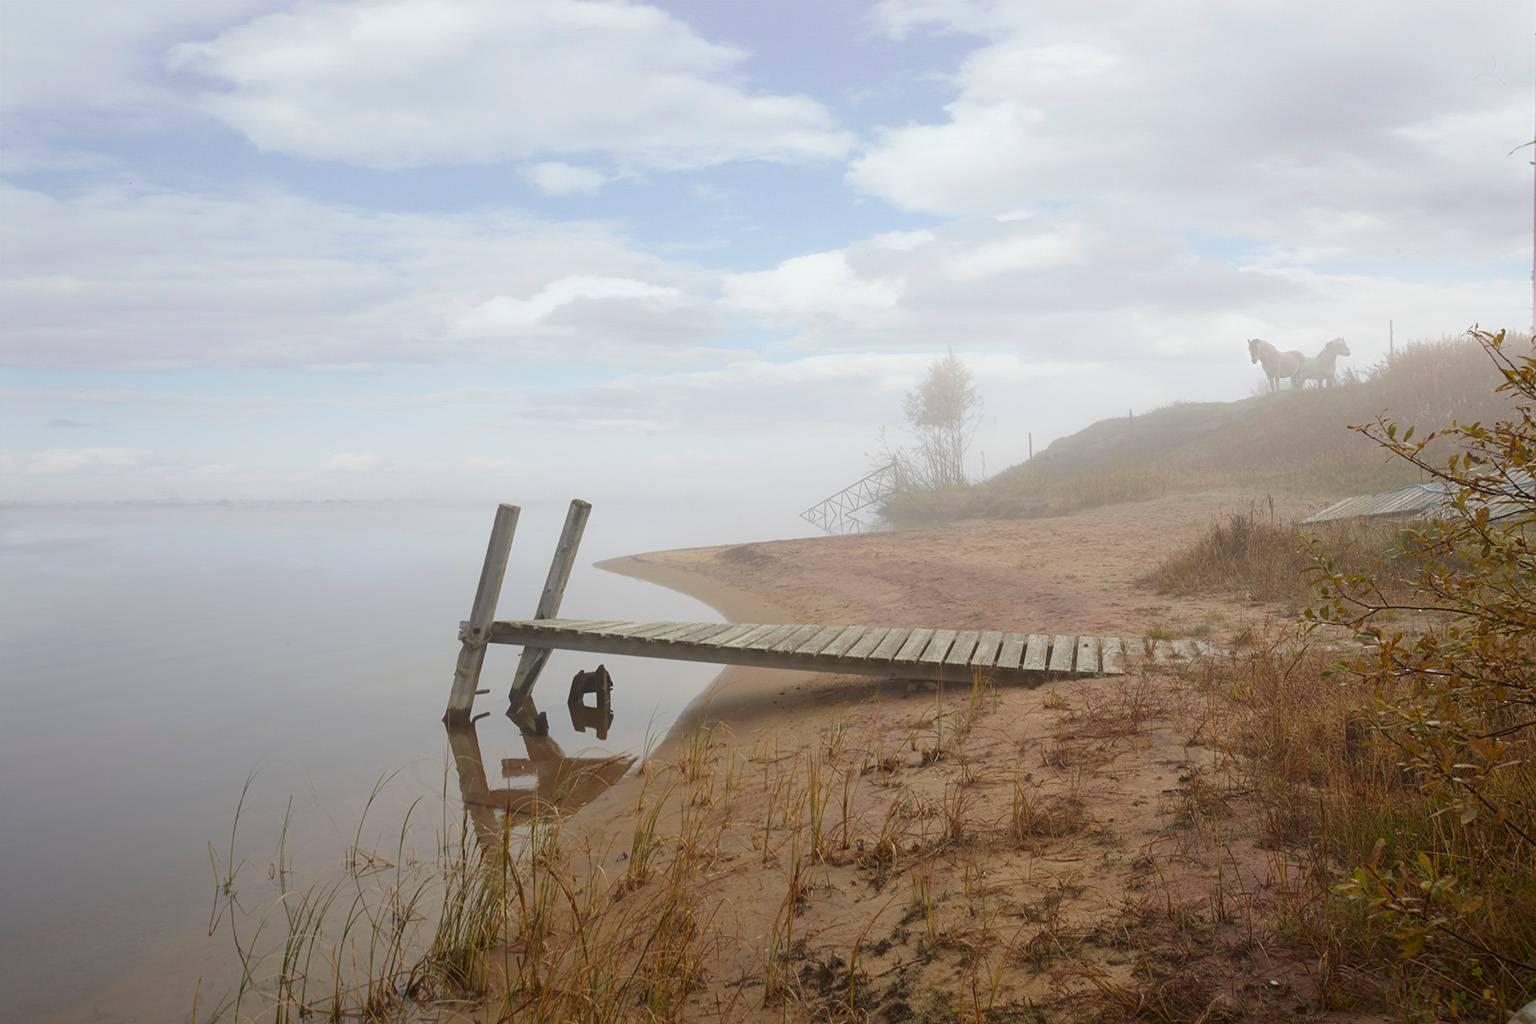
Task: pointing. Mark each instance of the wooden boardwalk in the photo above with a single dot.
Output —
(948, 655)
(945, 655)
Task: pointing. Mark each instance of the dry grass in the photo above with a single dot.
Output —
(1456, 937)
(1290, 443)
(1257, 556)
(1163, 847)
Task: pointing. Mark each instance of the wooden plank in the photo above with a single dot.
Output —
(1010, 654)
(844, 640)
(701, 633)
(1036, 654)
(532, 660)
(987, 644)
(889, 644)
(602, 625)
(939, 646)
(1087, 663)
(867, 643)
(820, 639)
(750, 635)
(1185, 648)
(1162, 652)
(482, 615)
(916, 640)
(653, 630)
(768, 640)
(732, 633)
(676, 631)
(628, 628)
(961, 650)
(1063, 647)
(796, 637)
(1111, 656)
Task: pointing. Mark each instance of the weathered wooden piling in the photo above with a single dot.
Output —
(476, 633)
(531, 662)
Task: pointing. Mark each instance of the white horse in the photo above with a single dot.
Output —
(1320, 366)
(1277, 364)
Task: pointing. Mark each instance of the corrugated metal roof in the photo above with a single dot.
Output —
(1404, 502)
(1426, 501)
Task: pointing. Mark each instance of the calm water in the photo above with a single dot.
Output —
(152, 657)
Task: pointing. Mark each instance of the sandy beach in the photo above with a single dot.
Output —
(1048, 847)
(1073, 573)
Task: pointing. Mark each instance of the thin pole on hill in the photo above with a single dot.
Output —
(1031, 445)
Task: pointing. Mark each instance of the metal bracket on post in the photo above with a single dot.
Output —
(532, 660)
(477, 630)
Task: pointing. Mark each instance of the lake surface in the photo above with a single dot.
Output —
(153, 657)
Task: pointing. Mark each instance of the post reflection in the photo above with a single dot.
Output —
(558, 783)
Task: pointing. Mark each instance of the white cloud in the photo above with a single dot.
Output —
(559, 179)
(354, 462)
(1017, 254)
(118, 277)
(902, 241)
(96, 55)
(815, 286)
(506, 315)
(74, 460)
(395, 83)
(1336, 136)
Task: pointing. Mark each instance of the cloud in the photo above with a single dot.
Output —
(116, 277)
(1340, 136)
(507, 315)
(558, 179)
(813, 287)
(354, 462)
(75, 460)
(92, 56)
(397, 83)
(1018, 253)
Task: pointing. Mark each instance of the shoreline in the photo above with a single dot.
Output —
(1077, 573)
(738, 697)
(937, 843)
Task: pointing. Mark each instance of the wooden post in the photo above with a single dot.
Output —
(477, 633)
(531, 663)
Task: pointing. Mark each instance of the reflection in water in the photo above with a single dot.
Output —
(560, 783)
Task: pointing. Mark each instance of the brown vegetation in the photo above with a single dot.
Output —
(1293, 443)
(1261, 557)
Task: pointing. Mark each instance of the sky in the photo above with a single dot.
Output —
(481, 249)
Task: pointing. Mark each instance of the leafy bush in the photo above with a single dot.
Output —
(1455, 704)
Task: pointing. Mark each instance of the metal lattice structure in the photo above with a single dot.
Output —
(837, 514)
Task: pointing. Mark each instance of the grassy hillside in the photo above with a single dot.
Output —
(1294, 443)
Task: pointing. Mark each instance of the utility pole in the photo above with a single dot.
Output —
(1031, 437)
